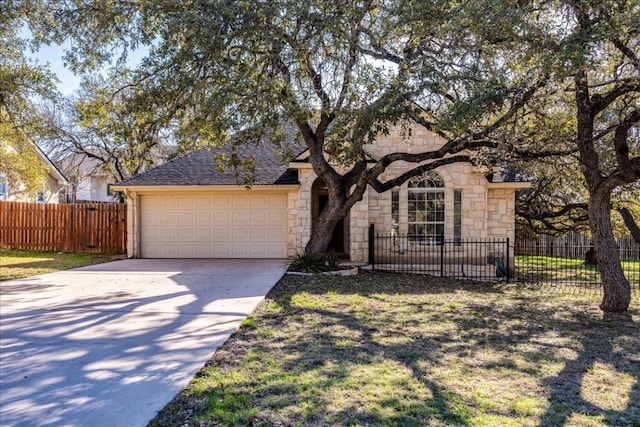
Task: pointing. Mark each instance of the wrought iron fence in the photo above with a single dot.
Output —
(567, 261)
(485, 260)
(539, 262)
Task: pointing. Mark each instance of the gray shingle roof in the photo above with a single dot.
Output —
(201, 168)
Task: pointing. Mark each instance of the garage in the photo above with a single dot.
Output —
(193, 206)
(204, 225)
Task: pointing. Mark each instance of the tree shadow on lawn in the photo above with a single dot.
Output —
(609, 358)
(385, 349)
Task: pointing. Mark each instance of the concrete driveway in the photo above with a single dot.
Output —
(111, 344)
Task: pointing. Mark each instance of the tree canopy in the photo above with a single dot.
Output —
(22, 84)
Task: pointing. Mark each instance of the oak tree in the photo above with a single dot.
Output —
(340, 72)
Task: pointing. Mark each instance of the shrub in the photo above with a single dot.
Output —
(314, 263)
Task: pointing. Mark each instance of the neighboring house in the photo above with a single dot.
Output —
(89, 182)
(189, 208)
(52, 191)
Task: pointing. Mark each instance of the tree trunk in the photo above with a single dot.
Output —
(322, 230)
(617, 292)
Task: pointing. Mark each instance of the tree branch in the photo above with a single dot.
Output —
(629, 53)
(600, 102)
(381, 187)
(626, 165)
(631, 224)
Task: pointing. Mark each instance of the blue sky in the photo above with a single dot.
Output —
(53, 56)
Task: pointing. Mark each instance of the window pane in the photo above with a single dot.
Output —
(4, 186)
(426, 209)
(457, 217)
(395, 211)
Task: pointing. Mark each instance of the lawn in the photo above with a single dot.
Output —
(16, 264)
(558, 269)
(402, 350)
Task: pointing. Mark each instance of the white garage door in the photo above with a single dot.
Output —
(233, 225)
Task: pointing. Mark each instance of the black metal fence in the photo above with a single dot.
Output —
(484, 260)
(568, 261)
(559, 263)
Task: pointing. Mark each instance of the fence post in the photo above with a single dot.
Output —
(372, 252)
(508, 261)
(442, 259)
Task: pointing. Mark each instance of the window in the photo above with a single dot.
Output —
(4, 187)
(426, 209)
(395, 212)
(40, 195)
(457, 217)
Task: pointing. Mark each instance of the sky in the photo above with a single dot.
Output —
(53, 56)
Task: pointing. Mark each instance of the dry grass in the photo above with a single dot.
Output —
(401, 350)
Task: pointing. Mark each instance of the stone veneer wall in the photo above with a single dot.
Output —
(459, 176)
(456, 177)
(293, 210)
(302, 226)
(501, 214)
(133, 224)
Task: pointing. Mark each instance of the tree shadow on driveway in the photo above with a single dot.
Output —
(111, 344)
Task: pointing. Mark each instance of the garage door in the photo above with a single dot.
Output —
(234, 225)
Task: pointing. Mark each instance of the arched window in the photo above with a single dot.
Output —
(426, 209)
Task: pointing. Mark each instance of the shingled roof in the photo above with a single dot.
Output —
(201, 168)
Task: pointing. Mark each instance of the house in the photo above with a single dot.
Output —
(192, 208)
(90, 181)
(52, 190)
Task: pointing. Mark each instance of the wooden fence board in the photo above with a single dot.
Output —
(81, 227)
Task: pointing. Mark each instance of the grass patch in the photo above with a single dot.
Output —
(558, 269)
(403, 350)
(16, 264)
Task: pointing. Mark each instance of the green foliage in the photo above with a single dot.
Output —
(19, 161)
(364, 65)
(22, 85)
(121, 135)
(314, 262)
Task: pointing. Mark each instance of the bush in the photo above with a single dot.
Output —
(314, 263)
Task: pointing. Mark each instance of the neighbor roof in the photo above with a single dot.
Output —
(53, 169)
(201, 168)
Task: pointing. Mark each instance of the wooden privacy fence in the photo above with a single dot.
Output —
(81, 227)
